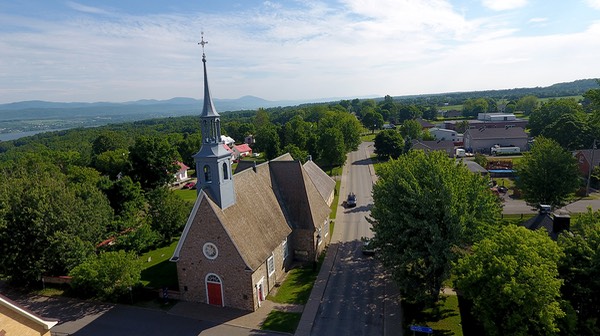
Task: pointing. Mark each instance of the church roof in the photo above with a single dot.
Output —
(271, 198)
(323, 182)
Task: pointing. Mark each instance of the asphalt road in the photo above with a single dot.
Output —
(353, 302)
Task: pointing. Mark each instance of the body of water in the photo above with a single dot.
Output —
(13, 136)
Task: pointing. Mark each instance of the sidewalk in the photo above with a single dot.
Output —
(231, 316)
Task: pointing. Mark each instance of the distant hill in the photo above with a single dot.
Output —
(36, 115)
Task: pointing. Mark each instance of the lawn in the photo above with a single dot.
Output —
(444, 318)
(158, 271)
(281, 321)
(187, 194)
(297, 286)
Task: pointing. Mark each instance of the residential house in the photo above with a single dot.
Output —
(443, 145)
(587, 158)
(181, 174)
(245, 229)
(16, 320)
(553, 223)
(239, 151)
(424, 123)
(482, 139)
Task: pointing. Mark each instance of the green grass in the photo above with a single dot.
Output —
(443, 318)
(187, 194)
(368, 137)
(158, 271)
(281, 321)
(297, 285)
(336, 200)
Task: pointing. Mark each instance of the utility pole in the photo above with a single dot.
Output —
(587, 189)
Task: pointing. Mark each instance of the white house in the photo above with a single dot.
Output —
(446, 134)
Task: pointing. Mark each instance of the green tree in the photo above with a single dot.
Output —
(113, 163)
(109, 141)
(153, 161)
(268, 141)
(550, 112)
(372, 120)
(472, 107)
(426, 206)
(411, 129)
(331, 145)
(527, 104)
(168, 213)
(296, 152)
(512, 279)
(107, 276)
(38, 211)
(389, 143)
(580, 270)
(571, 131)
(548, 174)
(462, 126)
(481, 160)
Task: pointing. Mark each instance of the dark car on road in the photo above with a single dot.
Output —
(351, 200)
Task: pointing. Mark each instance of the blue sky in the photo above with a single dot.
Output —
(109, 50)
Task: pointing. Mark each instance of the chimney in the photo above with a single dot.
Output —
(309, 158)
(562, 222)
(254, 166)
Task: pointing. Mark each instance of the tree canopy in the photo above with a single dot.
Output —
(425, 207)
(548, 174)
(512, 279)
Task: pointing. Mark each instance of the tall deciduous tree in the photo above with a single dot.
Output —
(389, 143)
(331, 145)
(472, 107)
(153, 161)
(527, 104)
(267, 141)
(580, 270)
(372, 120)
(512, 279)
(425, 206)
(548, 174)
(549, 112)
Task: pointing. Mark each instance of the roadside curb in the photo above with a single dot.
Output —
(316, 295)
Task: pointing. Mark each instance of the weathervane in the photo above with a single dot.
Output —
(202, 43)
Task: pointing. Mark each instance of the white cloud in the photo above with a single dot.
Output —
(593, 3)
(538, 20)
(85, 9)
(501, 5)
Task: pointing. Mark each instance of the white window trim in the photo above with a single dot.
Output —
(269, 260)
(216, 250)
(286, 252)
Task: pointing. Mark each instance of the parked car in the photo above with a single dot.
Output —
(367, 247)
(351, 200)
(189, 185)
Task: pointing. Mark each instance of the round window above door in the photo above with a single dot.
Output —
(210, 251)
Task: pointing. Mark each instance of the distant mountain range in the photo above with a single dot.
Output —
(36, 115)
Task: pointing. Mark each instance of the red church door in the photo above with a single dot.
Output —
(213, 290)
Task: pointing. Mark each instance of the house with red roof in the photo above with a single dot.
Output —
(181, 174)
(239, 151)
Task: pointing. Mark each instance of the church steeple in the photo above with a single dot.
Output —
(213, 161)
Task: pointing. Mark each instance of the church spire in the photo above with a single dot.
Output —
(213, 161)
(209, 107)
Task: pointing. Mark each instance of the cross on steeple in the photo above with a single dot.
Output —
(202, 43)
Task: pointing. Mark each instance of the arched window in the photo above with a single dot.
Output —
(207, 175)
(225, 171)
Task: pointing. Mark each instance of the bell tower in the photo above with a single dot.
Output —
(213, 161)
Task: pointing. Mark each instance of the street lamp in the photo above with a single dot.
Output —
(587, 189)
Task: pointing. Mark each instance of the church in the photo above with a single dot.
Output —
(247, 228)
